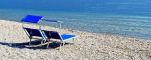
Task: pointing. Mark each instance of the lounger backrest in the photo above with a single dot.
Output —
(47, 33)
(55, 35)
(33, 32)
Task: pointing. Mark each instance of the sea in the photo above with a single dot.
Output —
(130, 18)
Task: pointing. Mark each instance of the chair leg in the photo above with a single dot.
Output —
(73, 40)
(41, 41)
(30, 42)
(60, 45)
(63, 43)
(48, 43)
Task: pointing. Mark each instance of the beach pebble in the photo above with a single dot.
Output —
(87, 46)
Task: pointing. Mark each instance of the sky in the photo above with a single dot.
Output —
(79, 5)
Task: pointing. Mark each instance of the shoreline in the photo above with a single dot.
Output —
(88, 45)
(114, 34)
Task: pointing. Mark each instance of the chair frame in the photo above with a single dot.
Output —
(45, 37)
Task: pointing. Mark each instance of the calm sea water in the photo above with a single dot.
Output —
(127, 25)
(123, 17)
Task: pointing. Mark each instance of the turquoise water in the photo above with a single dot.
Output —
(133, 25)
(123, 17)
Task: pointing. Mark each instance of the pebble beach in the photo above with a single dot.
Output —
(87, 45)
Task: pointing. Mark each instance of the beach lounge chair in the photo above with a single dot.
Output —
(61, 37)
(48, 35)
(34, 33)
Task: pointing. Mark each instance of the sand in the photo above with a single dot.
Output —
(87, 46)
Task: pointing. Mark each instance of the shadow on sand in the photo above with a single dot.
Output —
(52, 45)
